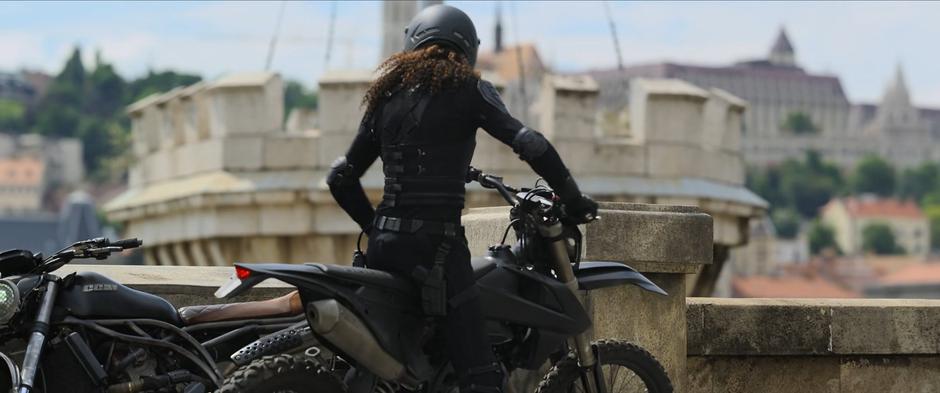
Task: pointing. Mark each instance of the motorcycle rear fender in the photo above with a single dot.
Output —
(594, 275)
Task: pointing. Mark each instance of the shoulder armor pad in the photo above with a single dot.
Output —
(490, 95)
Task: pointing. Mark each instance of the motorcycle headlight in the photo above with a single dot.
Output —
(9, 300)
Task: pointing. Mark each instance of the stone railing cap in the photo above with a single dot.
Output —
(669, 87)
(818, 327)
(242, 79)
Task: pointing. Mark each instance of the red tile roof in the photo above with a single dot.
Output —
(506, 63)
(920, 273)
(789, 287)
(882, 207)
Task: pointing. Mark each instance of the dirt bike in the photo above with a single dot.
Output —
(87, 333)
(374, 337)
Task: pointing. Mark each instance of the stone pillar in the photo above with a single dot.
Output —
(663, 242)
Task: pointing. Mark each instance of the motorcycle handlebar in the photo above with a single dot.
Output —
(125, 244)
(490, 181)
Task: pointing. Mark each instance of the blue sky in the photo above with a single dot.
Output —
(862, 42)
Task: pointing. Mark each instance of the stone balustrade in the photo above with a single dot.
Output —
(813, 345)
(218, 178)
(707, 345)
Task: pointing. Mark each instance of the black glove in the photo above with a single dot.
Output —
(580, 210)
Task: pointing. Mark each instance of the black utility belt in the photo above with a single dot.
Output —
(406, 225)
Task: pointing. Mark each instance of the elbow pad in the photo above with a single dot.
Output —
(529, 144)
(341, 173)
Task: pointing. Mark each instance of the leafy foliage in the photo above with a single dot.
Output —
(297, 96)
(787, 223)
(799, 123)
(874, 175)
(12, 116)
(821, 236)
(803, 185)
(878, 238)
(916, 183)
(88, 104)
(158, 82)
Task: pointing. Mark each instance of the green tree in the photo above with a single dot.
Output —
(916, 183)
(874, 175)
(297, 96)
(878, 238)
(787, 222)
(158, 82)
(106, 91)
(60, 110)
(12, 116)
(766, 183)
(799, 123)
(821, 236)
(810, 184)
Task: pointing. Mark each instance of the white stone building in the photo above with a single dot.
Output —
(777, 87)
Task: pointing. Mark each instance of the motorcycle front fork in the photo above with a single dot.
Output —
(38, 338)
(591, 373)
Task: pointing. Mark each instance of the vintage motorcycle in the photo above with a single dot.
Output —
(87, 333)
(374, 336)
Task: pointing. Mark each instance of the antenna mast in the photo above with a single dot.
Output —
(277, 32)
(613, 33)
(329, 35)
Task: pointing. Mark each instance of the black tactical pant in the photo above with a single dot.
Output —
(467, 342)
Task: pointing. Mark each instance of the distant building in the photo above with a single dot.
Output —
(788, 287)
(47, 232)
(62, 157)
(850, 216)
(791, 110)
(13, 86)
(519, 70)
(917, 281)
(21, 184)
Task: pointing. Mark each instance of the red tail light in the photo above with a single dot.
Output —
(242, 273)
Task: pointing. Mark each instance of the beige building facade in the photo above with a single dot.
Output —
(850, 216)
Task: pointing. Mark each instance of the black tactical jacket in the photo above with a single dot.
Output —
(426, 143)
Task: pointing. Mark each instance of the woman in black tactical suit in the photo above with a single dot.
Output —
(421, 118)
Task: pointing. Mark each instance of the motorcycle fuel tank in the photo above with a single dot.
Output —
(91, 295)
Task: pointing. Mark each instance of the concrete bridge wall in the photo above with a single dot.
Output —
(707, 345)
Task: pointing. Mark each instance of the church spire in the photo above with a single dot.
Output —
(498, 39)
(897, 93)
(782, 53)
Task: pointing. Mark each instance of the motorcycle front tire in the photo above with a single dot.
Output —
(565, 375)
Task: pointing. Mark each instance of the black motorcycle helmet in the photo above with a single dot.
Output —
(443, 24)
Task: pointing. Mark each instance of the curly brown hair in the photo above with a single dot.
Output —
(430, 69)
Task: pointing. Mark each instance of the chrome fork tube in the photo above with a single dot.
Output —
(559, 251)
(37, 339)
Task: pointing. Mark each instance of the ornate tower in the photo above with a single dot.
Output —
(498, 39)
(895, 108)
(395, 17)
(782, 53)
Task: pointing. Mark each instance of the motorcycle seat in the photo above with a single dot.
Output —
(365, 276)
(284, 306)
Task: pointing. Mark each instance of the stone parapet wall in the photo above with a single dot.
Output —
(733, 345)
(813, 345)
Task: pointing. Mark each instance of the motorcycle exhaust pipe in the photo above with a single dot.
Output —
(342, 328)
